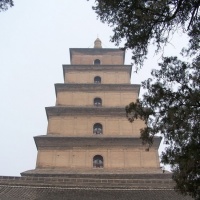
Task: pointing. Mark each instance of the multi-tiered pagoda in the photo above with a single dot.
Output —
(87, 128)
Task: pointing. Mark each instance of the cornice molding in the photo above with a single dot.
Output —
(58, 142)
(96, 87)
(85, 111)
(97, 68)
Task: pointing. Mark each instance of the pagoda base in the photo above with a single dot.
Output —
(99, 171)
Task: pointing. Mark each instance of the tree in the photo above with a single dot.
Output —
(4, 4)
(143, 22)
(171, 105)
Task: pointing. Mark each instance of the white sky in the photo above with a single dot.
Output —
(35, 38)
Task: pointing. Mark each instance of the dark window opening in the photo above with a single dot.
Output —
(97, 102)
(97, 79)
(97, 129)
(98, 161)
(97, 62)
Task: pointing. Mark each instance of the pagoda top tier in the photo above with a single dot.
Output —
(97, 55)
(97, 43)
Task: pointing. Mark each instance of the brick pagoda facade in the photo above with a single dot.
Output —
(87, 128)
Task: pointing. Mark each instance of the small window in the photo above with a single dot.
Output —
(97, 79)
(97, 102)
(97, 129)
(98, 161)
(97, 62)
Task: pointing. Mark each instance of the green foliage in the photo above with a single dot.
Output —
(171, 107)
(4, 4)
(141, 22)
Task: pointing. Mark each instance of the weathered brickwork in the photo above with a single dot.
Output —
(114, 158)
(110, 74)
(88, 128)
(106, 56)
(81, 126)
(86, 98)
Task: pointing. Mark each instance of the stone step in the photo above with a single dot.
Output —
(90, 181)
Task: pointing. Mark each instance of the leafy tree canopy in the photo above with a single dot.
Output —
(171, 107)
(141, 22)
(4, 4)
(171, 104)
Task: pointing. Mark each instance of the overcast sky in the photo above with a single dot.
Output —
(35, 37)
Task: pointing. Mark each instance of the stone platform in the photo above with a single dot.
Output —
(90, 186)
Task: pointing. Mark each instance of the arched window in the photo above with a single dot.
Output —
(98, 161)
(97, 102)
(97, 79)
(97, 62)
(97, 129)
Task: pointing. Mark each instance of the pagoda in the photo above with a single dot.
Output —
(88, 131)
